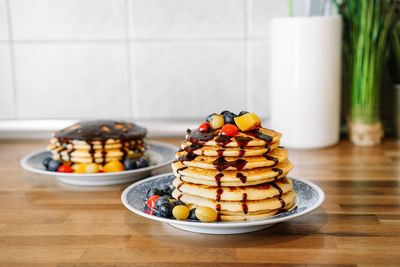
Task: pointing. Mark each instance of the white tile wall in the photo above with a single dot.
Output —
(260, 14)
(72, 80)
(259, 77)
(180, 80)
(7, 106)
(4, 33)
(150, 59)
(187, 18)
(68, 19)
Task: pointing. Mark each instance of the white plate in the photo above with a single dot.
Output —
(309, 197)
(160, 154)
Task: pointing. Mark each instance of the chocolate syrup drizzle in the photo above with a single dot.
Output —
(100, 131)
(221, 164)
(242, 177)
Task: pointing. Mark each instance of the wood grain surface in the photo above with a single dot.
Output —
(46, 223)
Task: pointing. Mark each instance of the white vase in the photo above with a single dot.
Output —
(305, 80)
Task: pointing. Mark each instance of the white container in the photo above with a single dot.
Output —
(305, 80)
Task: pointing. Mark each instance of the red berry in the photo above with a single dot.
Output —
(65, 168)
(229, 130)
(204, 127)
(151, 201)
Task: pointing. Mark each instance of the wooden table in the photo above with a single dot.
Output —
(45, 223)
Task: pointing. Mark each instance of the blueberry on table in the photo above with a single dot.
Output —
(53, 165)
(165, 210)
(141, 163)
(46, 162)
(130, 164)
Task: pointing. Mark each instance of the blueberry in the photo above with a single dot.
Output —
(242, 113)
(46, 162)
(209, 117)
(171, 190)
(141, 163)
(165, 210)
(130, 164)
(161, 200)
(228, 117)
(164, 188)
(53, 165)
(178, 202)
(192, 215)
(153, 191)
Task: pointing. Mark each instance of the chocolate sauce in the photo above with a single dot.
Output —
(218, 208)
(181, 169)
(218, 178)
(258, 134)
(100, 130)
(191, 148)
(275, 160)
(241, 152)
(187, 157)
(222, 140)
(282, 202)
(278, 188)
(221, 164)
(220, 152)
(196, 137)
(242, 140)
(242, 177)
(180, 196)
(245, 208)
(219, 193)
(218, 217)
(179, 186)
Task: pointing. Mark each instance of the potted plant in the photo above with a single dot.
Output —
(366, 29)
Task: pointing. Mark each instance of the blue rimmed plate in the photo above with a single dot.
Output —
(309, 197)
(160, 155)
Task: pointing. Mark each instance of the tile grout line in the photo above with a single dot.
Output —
(247, 61)
(12, 61)
(131, 89)
(131, 63)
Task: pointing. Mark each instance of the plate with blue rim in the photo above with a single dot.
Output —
(160, 154)
(309, 197)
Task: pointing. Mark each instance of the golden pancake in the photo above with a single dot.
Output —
(232, 163)
(267, 204)
(280, 170)
(214, 151)
(257, 192)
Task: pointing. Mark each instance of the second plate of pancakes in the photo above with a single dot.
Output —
(308, 198)
(160, 154)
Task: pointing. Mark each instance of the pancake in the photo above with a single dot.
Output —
(232, 163)
(268, 204)
(98, 141)
(257, 216)
(257, 192)
(260, 137)
(214, 151)
(280, 170)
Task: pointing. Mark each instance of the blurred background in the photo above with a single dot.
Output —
(164, 64)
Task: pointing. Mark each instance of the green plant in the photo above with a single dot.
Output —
(366, 27)
(396, 49)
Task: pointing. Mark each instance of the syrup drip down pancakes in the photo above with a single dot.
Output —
(242, 174)
(99, 142)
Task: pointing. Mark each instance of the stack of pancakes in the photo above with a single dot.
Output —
(98, 141)
(241, 177)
